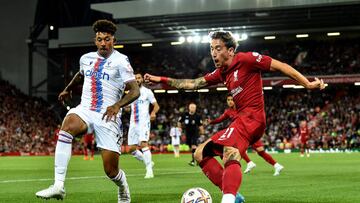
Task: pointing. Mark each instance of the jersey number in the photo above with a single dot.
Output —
(226, 134)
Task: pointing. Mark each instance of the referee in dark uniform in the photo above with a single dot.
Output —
(193, 128)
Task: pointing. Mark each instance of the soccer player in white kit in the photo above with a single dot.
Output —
(106, 75)
(139, 129)
(175, 134)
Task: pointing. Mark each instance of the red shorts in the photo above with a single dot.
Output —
(241, 133)
(88, 138)
(303, 140)
(257, 144)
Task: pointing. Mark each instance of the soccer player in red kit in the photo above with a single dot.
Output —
(231, 113)
(241, 73)
(88, 142)
(304, 136)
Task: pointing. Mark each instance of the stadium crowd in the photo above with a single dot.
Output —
(311, 57)
(332, 115)
(27, 124)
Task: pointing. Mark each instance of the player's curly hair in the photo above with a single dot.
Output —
(104, 26)
(226, 36)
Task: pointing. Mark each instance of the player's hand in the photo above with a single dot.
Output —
(152, 116)
(149, 79)
(207, 121)
(111, 113)
(316, 84)
(64, 95)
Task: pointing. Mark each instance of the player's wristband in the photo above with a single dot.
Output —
(164, 80)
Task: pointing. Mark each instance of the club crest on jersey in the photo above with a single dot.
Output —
(236, 75)
(108, 64)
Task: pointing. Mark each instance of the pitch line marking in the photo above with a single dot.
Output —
(92, 177)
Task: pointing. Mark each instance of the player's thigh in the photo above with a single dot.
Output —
(74, 125)
(133, 136)
(110, 162)
(144, 135)
(198, 155)
(258, 146)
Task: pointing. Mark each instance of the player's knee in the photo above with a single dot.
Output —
(143, 144)
(111, 172)
(260, 149)
(231, 154)
(198, 155)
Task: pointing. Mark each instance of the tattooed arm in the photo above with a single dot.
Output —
(187, 84)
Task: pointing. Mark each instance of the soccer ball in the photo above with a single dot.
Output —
(196, 195)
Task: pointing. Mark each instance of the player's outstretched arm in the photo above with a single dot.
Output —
(296, 75)
(66, 93)
(133, 94)
(187, 84)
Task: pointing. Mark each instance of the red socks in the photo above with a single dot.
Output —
(246, 157)
(228, 179)
(232, 177)
(213, 170)
(267, 157)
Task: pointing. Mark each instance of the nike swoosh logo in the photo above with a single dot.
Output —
(273, 83)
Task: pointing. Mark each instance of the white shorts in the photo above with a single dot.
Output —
(139, 132)
(175, 141)
(108, 135)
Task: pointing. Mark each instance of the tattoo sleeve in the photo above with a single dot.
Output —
(77, 79)
(188, 84)
(133, 94)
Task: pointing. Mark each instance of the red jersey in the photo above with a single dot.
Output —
(229, 113)
(304, 134)
(243, 80)
(88, 138)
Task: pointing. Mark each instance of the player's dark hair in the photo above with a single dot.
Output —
(229, 95)
(226, 37)
(104, 26)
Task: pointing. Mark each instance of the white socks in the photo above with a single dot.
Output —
(138, 155)
(120, 178)
(62, 157)
(228, 198)
(147, 157)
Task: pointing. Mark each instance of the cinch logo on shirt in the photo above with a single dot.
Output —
(97, 75)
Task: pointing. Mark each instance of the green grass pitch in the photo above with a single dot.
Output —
(325, 178)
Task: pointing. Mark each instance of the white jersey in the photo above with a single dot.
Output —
(104, 79)
(140, 107)
(175, 132)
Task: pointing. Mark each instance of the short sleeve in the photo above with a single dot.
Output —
(151, 97)
(126, 70)
(81, 63)
(259, 61)
(214, 77)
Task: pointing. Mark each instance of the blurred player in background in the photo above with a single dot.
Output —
(139, 129)
(304, 136)
(105, 75)
(193, 128)
(241, 73)
(88, 143)
(231, 113)
(175, 134)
